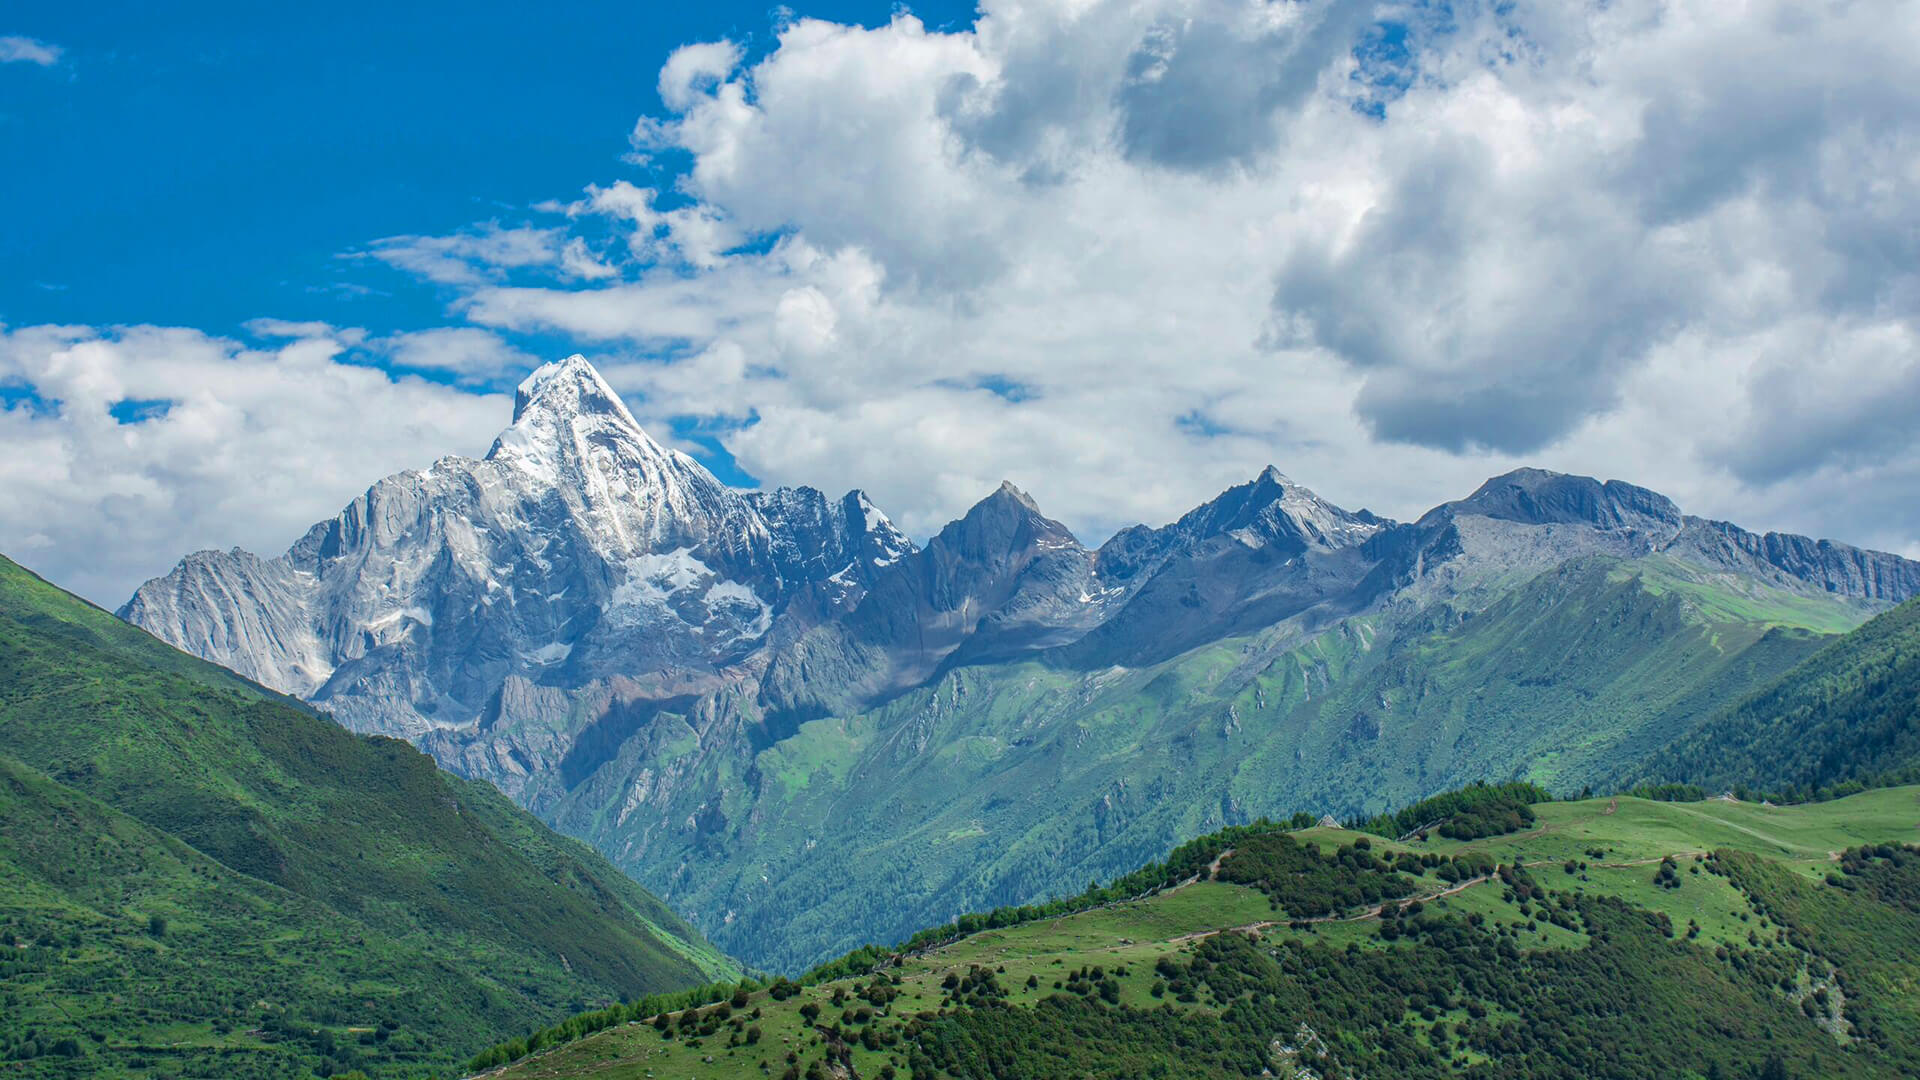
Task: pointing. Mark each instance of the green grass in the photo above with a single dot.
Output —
(328, 900)
(1614, 994)
(1729, 599)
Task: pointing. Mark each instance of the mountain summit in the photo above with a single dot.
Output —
(577, 550)
(748, 699)
(1540, 497)
(570, 387)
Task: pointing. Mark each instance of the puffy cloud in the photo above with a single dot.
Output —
(129, 447)
(1130, 252)
(692, 69)
(840, 133)
(15, 49)
(1127, 253)
(469, 353)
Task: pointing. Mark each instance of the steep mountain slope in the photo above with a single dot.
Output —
(578, 549)
(1003, 580)
(1613, 938)
(199, 872)
(1007, 783)
(752, 702)
(1848, 714)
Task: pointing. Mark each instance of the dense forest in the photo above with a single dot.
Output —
(1847, 717)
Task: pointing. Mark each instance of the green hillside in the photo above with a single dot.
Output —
(1849, 714)
(1004, 784)
(1605, 938)
(199, 878)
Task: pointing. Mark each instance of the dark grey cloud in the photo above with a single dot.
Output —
(1205, 91)
(1484, 316)
(1826, 399)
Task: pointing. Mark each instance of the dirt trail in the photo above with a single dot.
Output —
(1361, 916)
(1374, 912)
(1213, 868)
(1211, 873)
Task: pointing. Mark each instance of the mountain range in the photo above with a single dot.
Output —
(760, 704)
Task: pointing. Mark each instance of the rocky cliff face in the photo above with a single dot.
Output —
(735, 693)
(1529, 520)
(576, 551)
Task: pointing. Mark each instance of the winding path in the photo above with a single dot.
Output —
(1374, 911)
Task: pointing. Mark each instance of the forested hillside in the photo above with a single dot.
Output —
(1850, 714)
(1603, 938)
(198, 877)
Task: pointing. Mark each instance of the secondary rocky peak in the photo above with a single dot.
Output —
(1006, 520)
(1272, 509)
(1542, 497)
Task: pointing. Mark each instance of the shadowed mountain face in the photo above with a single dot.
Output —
(752, 699)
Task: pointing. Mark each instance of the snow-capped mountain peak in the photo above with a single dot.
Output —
(566, 410)
(572, 434)
(571, 386)
(578, 549)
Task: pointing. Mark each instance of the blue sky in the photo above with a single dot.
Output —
(204, 164)
(1124, 253)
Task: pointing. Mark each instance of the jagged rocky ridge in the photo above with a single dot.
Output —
(577, 550)
(643, 655)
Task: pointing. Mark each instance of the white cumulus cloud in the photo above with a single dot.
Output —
(1131, 252)
(140, 444)
(1128, 253)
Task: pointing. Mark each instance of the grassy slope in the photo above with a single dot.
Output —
(309, 878)
(1008, 784)
(1849, 713)
(1613, 996)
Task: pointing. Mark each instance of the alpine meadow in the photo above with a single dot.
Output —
(960, 540)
